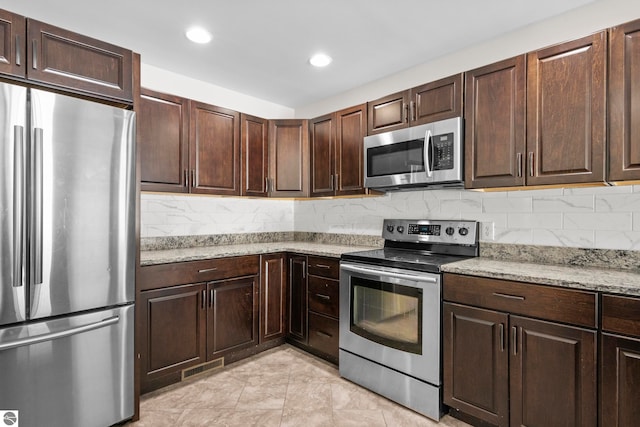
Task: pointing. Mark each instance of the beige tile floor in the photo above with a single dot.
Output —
(280, 387)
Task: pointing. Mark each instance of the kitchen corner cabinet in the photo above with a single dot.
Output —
(13, 45)
(297, 299)
(254, 140)
(163, 137)
(519, 354)
(194, 312)
(620, 361)
(336, 152)
(624, 99)
(288, 158)
(495, 140)
(438, 100)
(273, 296)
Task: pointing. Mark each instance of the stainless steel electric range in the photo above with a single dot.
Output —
(390, 310)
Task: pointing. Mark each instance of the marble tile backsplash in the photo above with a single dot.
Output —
(589, 217)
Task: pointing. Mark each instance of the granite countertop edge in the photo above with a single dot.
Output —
(625, 282)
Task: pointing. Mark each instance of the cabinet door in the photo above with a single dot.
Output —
(552, 374)
(77, 62)
(351, 128)
(566, 112)
(475, 359)
(624, 102)
(620, 381)
(437, 100)
(214, 145)
(322, 136)
(172, 333)
(297, 298)
(254, 137)
(495, 124)
(232, 317)
(163, 124)
(273, 296)
(13, 43)
(288, 158)
(388, 113)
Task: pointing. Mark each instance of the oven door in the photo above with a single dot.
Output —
(392, 317)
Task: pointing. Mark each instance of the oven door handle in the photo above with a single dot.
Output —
(388, 274)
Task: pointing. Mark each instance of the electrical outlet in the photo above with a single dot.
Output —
(486, 231)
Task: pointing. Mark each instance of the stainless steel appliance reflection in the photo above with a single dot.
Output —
(67, 181)
(390, 310)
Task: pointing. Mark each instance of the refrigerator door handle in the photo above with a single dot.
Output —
(18, 205)
(56, 335)
(37, 206)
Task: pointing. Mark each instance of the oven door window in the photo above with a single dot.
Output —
(394, 159)
(388, 314)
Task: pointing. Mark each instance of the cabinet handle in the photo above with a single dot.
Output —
(186, 178)
(412, 107)
(203, 298)
(266, 184)
(501, 337)
(519, 161)
(531, 163)
(211, 295)
(405, 108)
(325, 297)
(322, 266)
(34, 54)
(324, 334)
(207, 270)
(333, 180)
(514, 338)
(304, 269)
(193, 178)
(336, 185)
(498, 294)
(18, 51)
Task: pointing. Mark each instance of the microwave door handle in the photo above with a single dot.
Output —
(428, 150)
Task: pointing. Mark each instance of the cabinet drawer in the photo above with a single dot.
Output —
(621, 314)
(325, 267)
(324, 296)
(178, 273)
(545, 302)
(323, 334)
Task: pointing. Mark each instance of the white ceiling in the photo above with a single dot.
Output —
(261, 47)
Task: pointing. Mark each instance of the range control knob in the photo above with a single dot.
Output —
(400, 229)
(463, 231)
(390, 228)
(450, 231)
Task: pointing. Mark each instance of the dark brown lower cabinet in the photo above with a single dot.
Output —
(273, 296)
(232, 316)
(297, 298)
(620, 381)
(172, 336)
(511, 370)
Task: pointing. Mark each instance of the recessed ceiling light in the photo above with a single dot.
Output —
(320, 60)
(198, 35)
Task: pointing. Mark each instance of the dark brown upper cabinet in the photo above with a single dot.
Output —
(70, 60)
(336, 146)
(427, 103)
(13, 44)
(495, 114)
(624, 102)
(163, 139)
(566, 106)
(254, 137)
(214, 149)
(288, 158)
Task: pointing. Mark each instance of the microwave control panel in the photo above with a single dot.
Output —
(443, 148)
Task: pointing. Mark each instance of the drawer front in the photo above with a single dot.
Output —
(179, 273)
(323, 334)
(324, 296)
(621, 314)
(544, 302)
(325, 267)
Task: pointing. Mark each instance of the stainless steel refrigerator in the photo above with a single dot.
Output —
(67, 192)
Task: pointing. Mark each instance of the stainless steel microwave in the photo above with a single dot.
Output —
(429, 155)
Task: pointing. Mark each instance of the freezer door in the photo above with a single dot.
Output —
(13, 133)
(72, 371)
(81, 206)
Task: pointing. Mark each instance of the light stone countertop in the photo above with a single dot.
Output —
(220, 251)
(626, 282)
